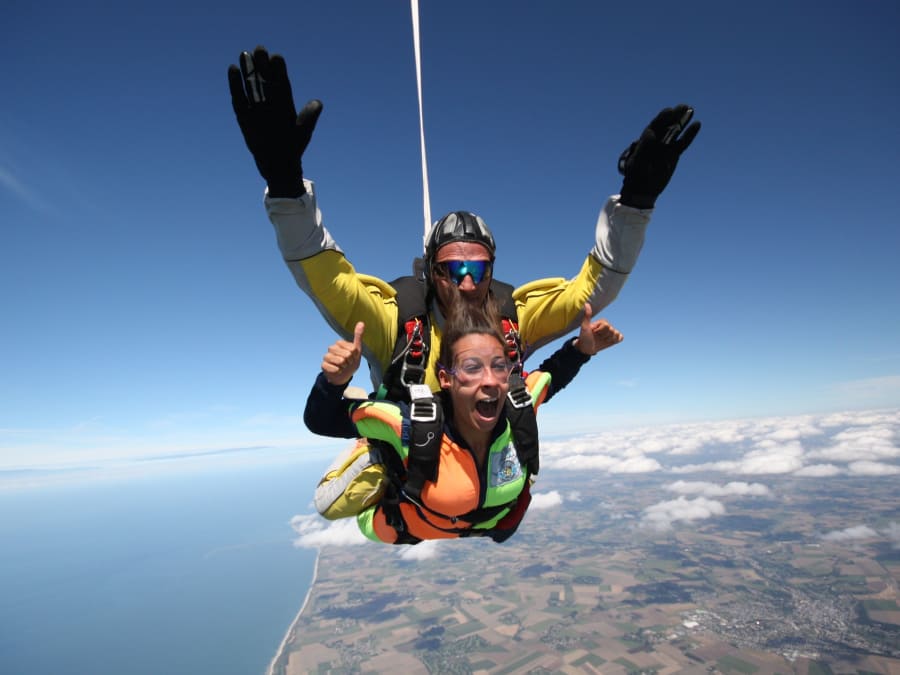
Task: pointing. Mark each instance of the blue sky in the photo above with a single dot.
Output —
(146, 310)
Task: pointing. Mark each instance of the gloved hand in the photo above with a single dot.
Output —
(649, 162)
(276, 135)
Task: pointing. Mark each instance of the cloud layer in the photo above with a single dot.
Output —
(849, 444)
(742, 452)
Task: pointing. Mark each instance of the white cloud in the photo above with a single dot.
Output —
(315, 532)
(723, 466)
(687, 446)
(866, 468)
(892, 532)
(772, 458)
(863, 418)
(734, 488)
(818, 471)
(769, 459)
(874, 442)
(632, 462)
(850, 533)
(650, 446)
(579, 462)
(545, 500)
(636, 465)
(661, 516)
(871, 434)
(421, 551)
(795, 431)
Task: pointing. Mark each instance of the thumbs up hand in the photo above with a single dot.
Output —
(343, 358)
(595, 336)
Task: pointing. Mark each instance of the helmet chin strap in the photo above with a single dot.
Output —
(426, 200)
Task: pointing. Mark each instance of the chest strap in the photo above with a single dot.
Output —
(523, 422)
(426, 429)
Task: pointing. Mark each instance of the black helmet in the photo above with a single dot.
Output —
(457, 226)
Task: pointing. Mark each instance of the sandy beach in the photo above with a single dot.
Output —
(289, 635)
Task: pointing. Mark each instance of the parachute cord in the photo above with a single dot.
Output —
(426, 201)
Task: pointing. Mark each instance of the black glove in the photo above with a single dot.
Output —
(276, 135)
(649, 162)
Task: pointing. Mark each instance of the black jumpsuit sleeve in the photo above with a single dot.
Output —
(563, 365)
(327, 411)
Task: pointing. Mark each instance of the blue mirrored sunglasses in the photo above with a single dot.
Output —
(457, 270)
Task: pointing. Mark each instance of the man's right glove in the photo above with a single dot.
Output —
(649, 162)
(276, 135)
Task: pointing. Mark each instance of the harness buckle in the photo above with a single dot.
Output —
(411, 373)
(519, 397)
(422, 405)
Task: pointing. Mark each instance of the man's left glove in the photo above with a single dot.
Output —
(276, 135)
(649, 162)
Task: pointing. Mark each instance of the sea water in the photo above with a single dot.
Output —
(177, 573)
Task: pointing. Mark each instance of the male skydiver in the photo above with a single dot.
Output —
(461, 249)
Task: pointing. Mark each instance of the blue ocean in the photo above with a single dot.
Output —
(191, 572)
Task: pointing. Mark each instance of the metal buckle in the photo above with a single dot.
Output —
(411, 374)
(422, 406)
(423, 411)
(519, 397)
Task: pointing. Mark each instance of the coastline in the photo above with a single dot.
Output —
(291, 631)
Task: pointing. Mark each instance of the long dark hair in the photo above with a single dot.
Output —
(464, 318)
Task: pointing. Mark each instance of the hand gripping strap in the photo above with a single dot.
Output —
(523, 421)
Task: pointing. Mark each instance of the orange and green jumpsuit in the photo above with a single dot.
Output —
(466, 499)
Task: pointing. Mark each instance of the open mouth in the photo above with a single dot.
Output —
(486, 407)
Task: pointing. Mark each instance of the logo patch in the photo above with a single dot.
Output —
(505, 467)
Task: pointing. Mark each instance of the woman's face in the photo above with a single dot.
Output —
(478, 381)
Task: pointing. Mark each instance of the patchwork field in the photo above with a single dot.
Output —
(582, 588)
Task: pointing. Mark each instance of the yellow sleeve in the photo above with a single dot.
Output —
(551, 308)
(320, 269)
(343, 296)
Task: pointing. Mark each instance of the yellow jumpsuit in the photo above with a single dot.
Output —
(547, 308)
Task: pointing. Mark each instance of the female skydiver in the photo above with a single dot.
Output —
(479, 483)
